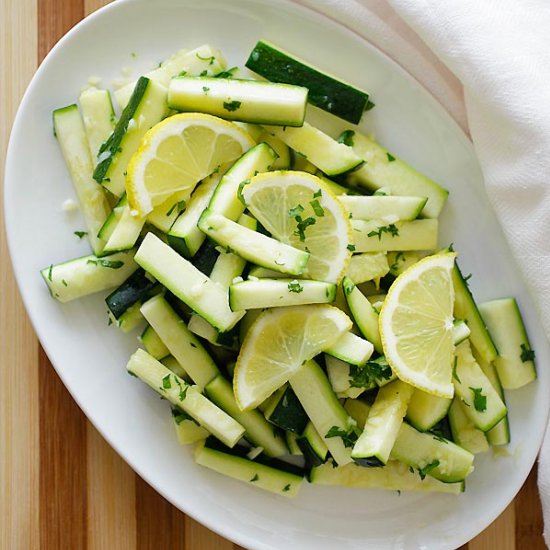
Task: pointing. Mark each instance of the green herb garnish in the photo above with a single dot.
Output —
(351, 247)
(231, 105)
(50, 271)
(527, 354)
(317, 194)
(346, 137)
(166, 384)
(348, 438)
(302, 226)
(295, 211)
(427, 469)
(367, 375)
(286, 488)
(370, 105)
(209, 59)
(295, 286)
(80, 234)
(255, 478)
(455, 375)
(480, 400)
(317, 208)
(392, 229)
(112, 264)
(391, 158)
(226, 74)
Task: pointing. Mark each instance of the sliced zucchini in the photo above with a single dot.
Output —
(384, 170)
(286, 411)
(352, 349)
(367, 267)
(313, 446)
(292, 444)
(260, 475)
(183, 279)
(98, 116)
(377, 207)
(258, 431)
(401, 260)
(94, 206)
(325, 91)
(483, 404)
(358, 410)
(382, 425)
(330, 419)
(374, 236)
(320, 149)
(184, 235)
(364, 314)
(432, 455)
(252, 246)
(153, 345)
(461, 331)
(426, 410)
(282, 162)
(515, 362)
(187, 430)
(279, 292)
(181, 343)
(464, 432)
(87, 275)
(130, 319)
(253, 101)
(465, 308)
(226, 199)
(394, 476)
(203, 60)
(125, 231)
(146, 107)
(137, 287)
(186, 397)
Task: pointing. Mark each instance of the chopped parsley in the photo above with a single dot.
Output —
(50, 270)
(166, 384)
(351, 247)
(427, 469)
(209, 59)
(365, 376)
(295, 286)
(80, 234)
(455, 375)
(394, 267)
(182, 73)
(286, 488)
(112, 264)
(226, 74)
(317, 208)
(180, 416)
(391, 158)
(203, 73)
(64, 282)
(295, 211)
(527, 354)
(302, 226)
(348, 438)
(370, 105)
(480, 400)
(392, 229)
(346, 137)
(231, 105)
(255, 478)
(205, 89)
(317, 193)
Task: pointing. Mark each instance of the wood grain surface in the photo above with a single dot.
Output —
(61, 485)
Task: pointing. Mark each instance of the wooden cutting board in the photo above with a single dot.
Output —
(62, 486)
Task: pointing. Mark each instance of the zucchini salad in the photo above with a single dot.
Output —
(299, 314)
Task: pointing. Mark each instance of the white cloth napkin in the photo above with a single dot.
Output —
(499, 50)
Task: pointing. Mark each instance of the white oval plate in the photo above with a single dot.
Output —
(90, 357)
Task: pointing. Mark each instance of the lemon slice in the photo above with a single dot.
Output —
(177, 153)
(416, 325)
(278, 343)
(299, 209)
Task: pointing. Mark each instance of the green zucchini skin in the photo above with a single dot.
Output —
(113, 142)
(288, 413)
(326, 92)
(137, 287)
